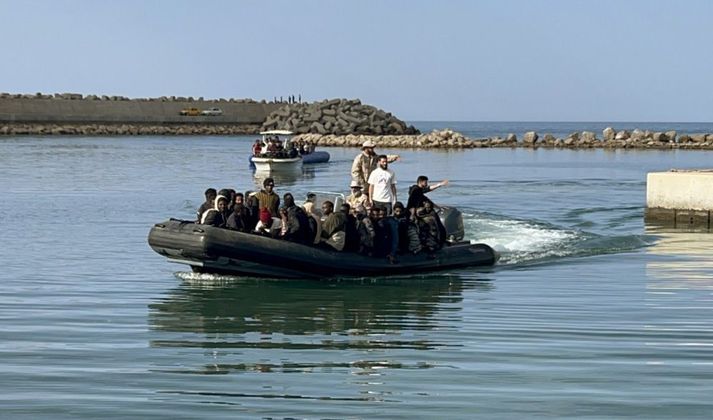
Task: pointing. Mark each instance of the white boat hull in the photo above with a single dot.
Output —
(277, 164)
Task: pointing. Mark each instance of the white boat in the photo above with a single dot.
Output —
(276, 154)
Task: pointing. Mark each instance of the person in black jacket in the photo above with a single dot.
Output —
(209, 203)
(295, 225)
(351, 232)
(239, 218)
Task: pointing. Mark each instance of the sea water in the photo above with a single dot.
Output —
(588, 313)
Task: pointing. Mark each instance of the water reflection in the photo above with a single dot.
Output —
(683, 259)
(283, 178)
(262, 320)
(301, 308)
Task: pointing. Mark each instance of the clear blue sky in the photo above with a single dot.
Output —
(547, 60)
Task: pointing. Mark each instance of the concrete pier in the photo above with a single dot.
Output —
(680, 199)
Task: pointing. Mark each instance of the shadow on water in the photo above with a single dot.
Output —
(239, 315)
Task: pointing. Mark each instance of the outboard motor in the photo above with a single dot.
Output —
(452, 220)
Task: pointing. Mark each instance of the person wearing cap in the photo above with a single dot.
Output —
(357, 199)
(268, 225)
(267, 198)
(365, 163)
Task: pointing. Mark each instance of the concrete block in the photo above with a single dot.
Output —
(681, 190)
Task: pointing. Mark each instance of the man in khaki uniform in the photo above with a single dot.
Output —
(365, 163)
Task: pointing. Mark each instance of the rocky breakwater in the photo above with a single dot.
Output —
(621, 139)
(449, 139)
(436, 139)
(336, 117)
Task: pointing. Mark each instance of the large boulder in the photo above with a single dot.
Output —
(609, 134)
(622, 135)
(588, 137)
(530, 138)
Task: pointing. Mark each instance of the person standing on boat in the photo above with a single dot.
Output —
(417, 194)
(365, 163)
(382, 186)
(267, 198)
(429, 226)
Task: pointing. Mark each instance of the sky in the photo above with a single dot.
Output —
(448, 60)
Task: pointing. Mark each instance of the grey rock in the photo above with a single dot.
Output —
(530, 137)
(588, 137)
(622, 135)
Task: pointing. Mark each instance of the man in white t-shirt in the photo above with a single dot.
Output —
(382, 186)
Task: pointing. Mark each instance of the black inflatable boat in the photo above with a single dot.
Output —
(209, 249)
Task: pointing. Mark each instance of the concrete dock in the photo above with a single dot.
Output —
(680, 199)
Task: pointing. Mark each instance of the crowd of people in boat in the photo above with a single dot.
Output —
(371, 221)
(273, 147)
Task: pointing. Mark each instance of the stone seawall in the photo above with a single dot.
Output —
(79, 109)
(121, 129)
(449, 139)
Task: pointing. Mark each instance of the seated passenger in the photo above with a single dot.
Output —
(357, 197)
(295, 225)
(409, 240)
(386, 240)
(217, 216)
(429, 228)
(333, 226)
(315, 223)
(268, 225)
(253, 206)
(239, 218)
(367, 232)
(351, 234)
(209, 203)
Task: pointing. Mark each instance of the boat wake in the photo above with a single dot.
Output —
(528, 241)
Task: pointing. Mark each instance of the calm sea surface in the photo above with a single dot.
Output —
(588, 314)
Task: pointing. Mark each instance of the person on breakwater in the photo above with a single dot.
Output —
(365, 163)
(382, 186)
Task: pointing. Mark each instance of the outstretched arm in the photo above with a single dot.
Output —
(439, 185)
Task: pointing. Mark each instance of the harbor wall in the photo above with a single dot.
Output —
(680, 199)
(65, 109)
